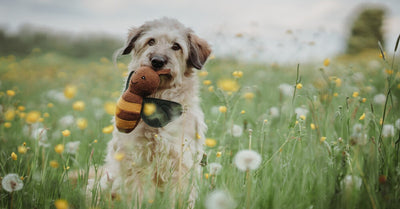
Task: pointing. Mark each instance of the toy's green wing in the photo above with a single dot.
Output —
(158, 112)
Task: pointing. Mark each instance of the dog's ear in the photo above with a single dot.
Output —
(134, 34)
(199, 51)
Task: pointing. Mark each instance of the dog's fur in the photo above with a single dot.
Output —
(171, 154)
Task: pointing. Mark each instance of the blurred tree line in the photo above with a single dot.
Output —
(366, 30)
(28, 38)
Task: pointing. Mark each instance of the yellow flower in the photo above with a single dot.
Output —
(242, 112)
(297, 122)
(302, 117)
(7, 124)
(22, 149)
(207, 82)
(237, 74)
(14, 156)
(82, 123)
(108, 129)
(54, 164)
(10, 93)
(110, 107)
(70, 91)
(95, 141)
(46, 115)
(59, 148)
(104, 60)
(355, 94)
(388, 71)
(125, 74)
(61, 204)
(22, 115)
(219, 154)
(50, 105)
(9, 115)
(398, 86)
(299, 86)
(211, 88)
(211, 57)
(203, 73)
(149, 108)
(362, 117)
(338, 82)
(198, 136)
(322, 139)
(206, 175)
(312, 125)
(222, 109)
(335, 94)
(364, 100)
(265, 121)
(119, 156)
(210, 142)
(121, 65)
(380, 121)
(66, 132)
(228, 85)
(150, 201)
(21, 108)
(32, 117)
(78, 105)
(249, 95)
(327, 61)
(40, 119)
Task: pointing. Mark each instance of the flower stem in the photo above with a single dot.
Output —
(248, 182)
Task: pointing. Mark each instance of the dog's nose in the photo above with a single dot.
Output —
(158, 61)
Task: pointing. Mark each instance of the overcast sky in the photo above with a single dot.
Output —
(270, 30)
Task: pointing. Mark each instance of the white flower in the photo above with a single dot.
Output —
(357, 128)
(57, 96)
(274, 112)
(358, 77)
(237, 130)
(380, 99)
(351, 181)
(397, 124)
(247, 160)
(72, 147)
(388, 130)
(215, 168)
(66, 121)
(301, 112)
(220, 200)
(286, 89)
(11, 182)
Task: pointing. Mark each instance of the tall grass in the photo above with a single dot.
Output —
(329, 156)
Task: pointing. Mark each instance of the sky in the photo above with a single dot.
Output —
(266, 30)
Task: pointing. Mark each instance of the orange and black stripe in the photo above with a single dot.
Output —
(127, 114)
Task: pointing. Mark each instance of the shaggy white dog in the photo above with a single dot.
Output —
(150, 158)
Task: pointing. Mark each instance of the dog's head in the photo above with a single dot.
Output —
(166, 44)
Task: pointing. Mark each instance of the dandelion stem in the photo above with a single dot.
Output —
(248, 182)
(250, 134)
(11, 200)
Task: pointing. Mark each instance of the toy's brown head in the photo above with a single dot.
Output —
(145, 81)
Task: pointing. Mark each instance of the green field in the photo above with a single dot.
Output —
(341, 149)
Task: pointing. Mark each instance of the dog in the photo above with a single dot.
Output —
(155, 159)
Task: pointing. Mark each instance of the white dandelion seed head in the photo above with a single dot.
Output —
(357, 128)
(397, 124)
(388, 130)
(11, 182)
(66, 121)
(274, 112)
(39, 134)
(247, 160)
(380, 99)
(358, 77)
(351, 181)
(374, 64)
(72, 147)
(214, 168)
(286, 89)
(237, 130)
(220, 200)
(56, 96)
(301, 111)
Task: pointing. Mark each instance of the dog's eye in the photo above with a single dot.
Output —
(176, 47)
(144, 78)
(151, 42)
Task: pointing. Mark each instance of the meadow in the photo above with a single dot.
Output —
(327, 132)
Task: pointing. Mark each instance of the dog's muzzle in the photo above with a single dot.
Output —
(158, 61)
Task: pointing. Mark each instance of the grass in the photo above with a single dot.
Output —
(321, 159)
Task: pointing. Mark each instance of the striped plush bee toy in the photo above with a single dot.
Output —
(133, 104)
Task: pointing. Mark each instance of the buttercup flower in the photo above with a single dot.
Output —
(222, 109)
(22, 149)
(54, 164)
(70, 91)
(82, 123)
(362, 117)
(32, 117)
(59, 148)
(220, 200)
(327, 61)
(61, 204)
(108, 129)
(78, 105)
(299, 86)
(14, 156)
(210, 142)
(109, 107)
(11, 183)
(248, 95)
(9, 114)
(66, 132)
(10, 93)
(247, 160)
(228, 85)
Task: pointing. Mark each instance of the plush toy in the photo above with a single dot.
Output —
(133, 104)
